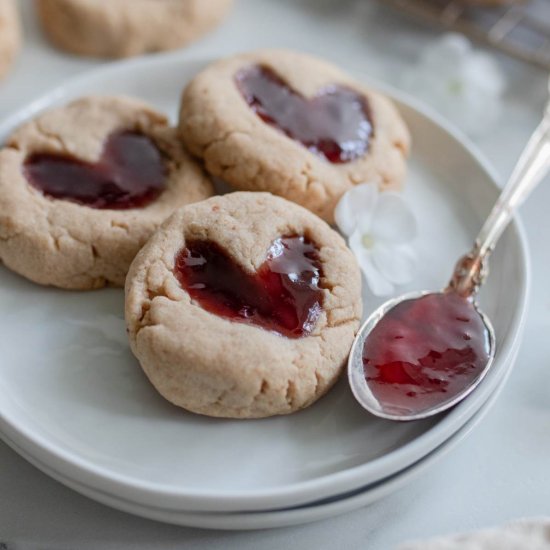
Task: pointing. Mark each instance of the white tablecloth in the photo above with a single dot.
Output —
(500, 472)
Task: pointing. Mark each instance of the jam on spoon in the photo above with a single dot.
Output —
(131, 173)
(283, 295)
(425, 350)
(336, 124)
(419, 354)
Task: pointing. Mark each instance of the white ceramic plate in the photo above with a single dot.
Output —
(75, 400)
(289, 516)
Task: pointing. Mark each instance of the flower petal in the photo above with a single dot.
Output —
(356, 204)
(355, 244)
(393, 222)
(343, 215)
(464, 84)
(378, 284)
(484, 74)
(396, 263)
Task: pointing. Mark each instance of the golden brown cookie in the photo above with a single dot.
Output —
(10, 35)
(243, 306)
(293, 125)
(82, 188)
(125, 28)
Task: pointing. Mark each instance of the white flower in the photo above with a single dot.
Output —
(463, 84)
(379, 228)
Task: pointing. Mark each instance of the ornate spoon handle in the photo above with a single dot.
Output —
(533, 165)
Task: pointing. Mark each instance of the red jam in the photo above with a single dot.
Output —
(335, 124)
(425, 351)
(283, 296)
(130, 174)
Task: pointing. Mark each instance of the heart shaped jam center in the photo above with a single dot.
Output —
(283, 295)
(131, 173)
(423, 348)
(335, 124)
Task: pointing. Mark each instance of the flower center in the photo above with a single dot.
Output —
(455, 86)
(367, 241)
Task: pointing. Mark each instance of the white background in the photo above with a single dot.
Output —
(499, 473)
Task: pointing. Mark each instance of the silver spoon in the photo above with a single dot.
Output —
(470, 273)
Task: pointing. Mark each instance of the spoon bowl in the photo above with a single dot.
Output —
(363, 392)
(429, 351)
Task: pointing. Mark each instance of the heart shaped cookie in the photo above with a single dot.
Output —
(243, 306)
(83, 186)
(293, 125)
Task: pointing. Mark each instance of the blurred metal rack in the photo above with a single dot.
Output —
(520, 29)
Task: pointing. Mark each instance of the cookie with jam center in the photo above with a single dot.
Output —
(84, 186)
(243, 306)
(293, 125)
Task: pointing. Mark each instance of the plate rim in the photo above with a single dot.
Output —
(274, 518)
(302, 491)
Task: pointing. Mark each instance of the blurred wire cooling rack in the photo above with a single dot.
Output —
(520, 28)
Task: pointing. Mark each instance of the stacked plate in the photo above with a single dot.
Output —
(75, 403)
